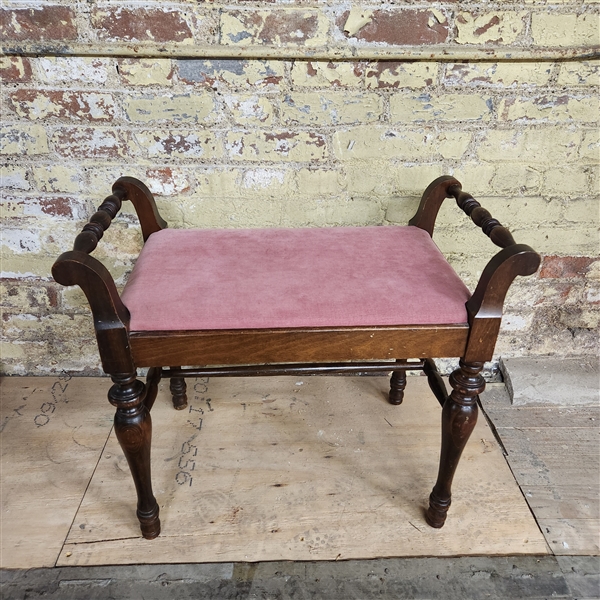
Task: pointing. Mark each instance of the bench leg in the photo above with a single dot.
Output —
(178, 389)
(459, 416)
(397, 386)
(133, 427)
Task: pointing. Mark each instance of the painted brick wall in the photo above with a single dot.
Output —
(255, 136)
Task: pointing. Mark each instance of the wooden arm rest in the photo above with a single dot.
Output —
(485, 306)
(111, 317)
(143, 201)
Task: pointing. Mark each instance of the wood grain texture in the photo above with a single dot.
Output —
(292, 468)
(53, 432)
(296, 345)
(554, 453)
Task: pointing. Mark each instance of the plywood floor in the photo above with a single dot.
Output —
(255, 469)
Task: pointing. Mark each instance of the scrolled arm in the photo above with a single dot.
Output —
(111, 317)
(485, 307)
(143, 201)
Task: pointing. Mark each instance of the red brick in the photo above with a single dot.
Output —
(564, 267)
(61, 207)
(16, 69)
(37, 24)
(400, 27)
(88, 142)
(86, 106)
(154, 24)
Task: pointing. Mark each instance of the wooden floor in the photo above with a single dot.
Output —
(256, 469)
(554, 453)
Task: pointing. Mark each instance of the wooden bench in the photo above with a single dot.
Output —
(291, 301)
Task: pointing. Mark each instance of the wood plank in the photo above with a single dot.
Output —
(572, 537)
(539, 417)
(564, 501)
(295, 468)
(553, 455)
(150, 349)
(53, 431)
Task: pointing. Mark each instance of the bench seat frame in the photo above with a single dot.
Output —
(291, 351)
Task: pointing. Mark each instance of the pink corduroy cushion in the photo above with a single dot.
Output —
(193, 279)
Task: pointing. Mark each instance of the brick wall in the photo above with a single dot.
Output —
(255, 136)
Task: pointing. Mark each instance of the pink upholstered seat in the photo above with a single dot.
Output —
(271, 278)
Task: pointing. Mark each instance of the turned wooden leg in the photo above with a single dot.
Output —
(459, 416)
(133, 427)
(397, 386)
(178, 389)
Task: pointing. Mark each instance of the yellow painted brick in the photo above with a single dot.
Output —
(567, 181)
(216, 183)
(187, 108)
(400, 209)
(300, 146)
(523, 212)
(231, 212)
(326, 74)
(236, 73)
(30, 140)
(15, 177)
(553, 240)
(476, 178)
(370, 178)
(35, 297)
(565, 30)
(26, 264)
(499, 27)
(584, 211)
(318, 182)
(74, 300)
(12, 350)
(453, 144)
(516, 178)
(274, 182)
(99, 181)
(327, 212)
(590, 146)
(58, 178)
(368, 142)
(550, 108)
(447, 107)
(135, 71)
(413, 75)
(67, 69)
(250, 109)
(580, 73)
(330, 108)
(508, 74)
(179, 143)
(546, 145)
(414, 179)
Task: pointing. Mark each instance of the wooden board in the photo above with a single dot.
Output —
(52, 433)
(317, 468)
(554, 453)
